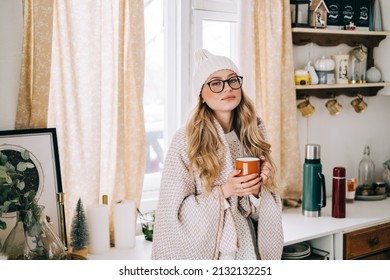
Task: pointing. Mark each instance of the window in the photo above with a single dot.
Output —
(216, 30)
(160, 102)
(170, 40)
(154, 97)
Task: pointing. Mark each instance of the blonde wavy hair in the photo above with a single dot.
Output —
(204, 142)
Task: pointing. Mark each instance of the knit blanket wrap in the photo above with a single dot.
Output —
(189, 223)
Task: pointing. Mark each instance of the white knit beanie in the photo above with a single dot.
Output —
(206, 64)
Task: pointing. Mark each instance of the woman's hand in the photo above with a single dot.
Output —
(267, 172)
(241, 186)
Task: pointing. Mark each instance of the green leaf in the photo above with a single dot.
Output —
(3, 174)
(10, 166)
(22, 166)
(30, 165)
(8, 179)
(3, 225)
(8, 203)
(25, 154)
(20, 185)
(3, 159)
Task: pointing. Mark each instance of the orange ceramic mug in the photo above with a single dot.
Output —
(248, 165)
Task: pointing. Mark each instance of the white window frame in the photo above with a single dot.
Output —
(228, 6)
(183, 34)
(214, 10)
(176, 13)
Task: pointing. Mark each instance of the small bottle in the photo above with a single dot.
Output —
(350, 190)
(366, 169)
(338, 193)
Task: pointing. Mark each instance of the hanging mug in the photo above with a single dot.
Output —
(359, 105)
(333, 106)
(306, 108)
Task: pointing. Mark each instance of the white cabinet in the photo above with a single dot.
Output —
(327, 233)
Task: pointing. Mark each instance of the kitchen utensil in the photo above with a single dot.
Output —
(373, 75)
(314, 191)
(296, 251)
(248, 165)
(306, 108)
(366, 169)
(333, 106)
(359, 104)
(357, 65)
(350, 190)
(324, 64)
(338, 193)
(371, 197)
(302, 77)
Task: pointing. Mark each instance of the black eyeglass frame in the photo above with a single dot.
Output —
(240, 78)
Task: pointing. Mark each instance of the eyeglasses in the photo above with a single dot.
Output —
(217, 86)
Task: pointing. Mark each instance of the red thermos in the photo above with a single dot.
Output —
(338, 193)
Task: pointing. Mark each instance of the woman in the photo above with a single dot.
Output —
(205, 211)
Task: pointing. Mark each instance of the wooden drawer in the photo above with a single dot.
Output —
(366, 241)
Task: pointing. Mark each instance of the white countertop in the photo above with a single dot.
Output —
(359, 214)
(141, 251)
(297, 228)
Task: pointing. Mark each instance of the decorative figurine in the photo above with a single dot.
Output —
(318, 14)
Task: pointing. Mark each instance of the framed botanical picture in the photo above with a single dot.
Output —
(36, 153)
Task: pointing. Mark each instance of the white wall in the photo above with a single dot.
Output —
(343, 137)
(10, 53)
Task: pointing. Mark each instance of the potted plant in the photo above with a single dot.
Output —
(31, 237)
(13, 196)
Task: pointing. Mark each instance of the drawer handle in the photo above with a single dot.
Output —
(374, 241)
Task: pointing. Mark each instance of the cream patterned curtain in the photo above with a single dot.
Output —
(36, 60)
(265, 27)
(96, 92)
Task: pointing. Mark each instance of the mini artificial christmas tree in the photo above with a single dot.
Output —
(79, 233)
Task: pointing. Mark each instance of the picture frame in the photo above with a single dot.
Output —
(45, 179)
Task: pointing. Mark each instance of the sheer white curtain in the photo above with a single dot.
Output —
(267, 63)
(95, 102)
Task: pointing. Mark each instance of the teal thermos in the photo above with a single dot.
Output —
(314, 191)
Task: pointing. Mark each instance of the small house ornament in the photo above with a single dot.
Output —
(318, 14)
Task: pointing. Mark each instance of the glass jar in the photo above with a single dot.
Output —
(357, 65)
(33, 239)
(366, 169)
(386, 175)
(15, 246)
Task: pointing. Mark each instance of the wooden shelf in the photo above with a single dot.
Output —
(329, 91)
(334, 37)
